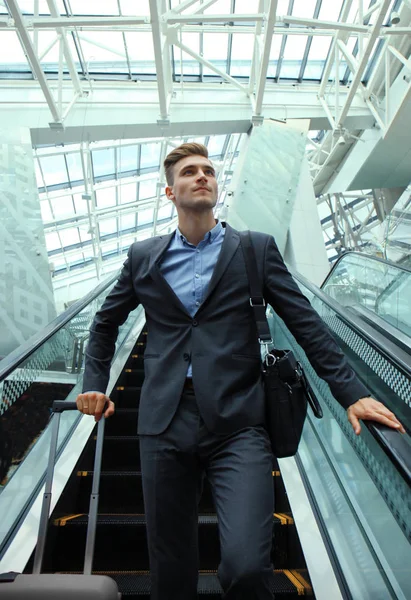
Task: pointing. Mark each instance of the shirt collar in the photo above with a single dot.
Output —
(210, 236)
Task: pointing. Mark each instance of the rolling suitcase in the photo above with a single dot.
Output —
(14, 586)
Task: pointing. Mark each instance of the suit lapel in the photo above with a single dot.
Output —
(155, 256)
(228, 248)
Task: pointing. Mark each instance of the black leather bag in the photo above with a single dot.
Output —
(287, 390)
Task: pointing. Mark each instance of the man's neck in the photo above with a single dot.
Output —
(194, 227)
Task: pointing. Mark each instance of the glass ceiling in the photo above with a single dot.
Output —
(298, 54)
(96, 200)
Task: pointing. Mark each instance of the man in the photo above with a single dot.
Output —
(202, 402)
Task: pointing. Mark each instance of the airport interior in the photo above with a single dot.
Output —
(305, 109)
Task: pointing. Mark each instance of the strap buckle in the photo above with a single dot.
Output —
(265, 344)
(258, 303)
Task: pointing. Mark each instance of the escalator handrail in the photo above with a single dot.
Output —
(366, 257)
(392, 442)
(20, 354)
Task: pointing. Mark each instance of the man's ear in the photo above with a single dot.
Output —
(170, 194)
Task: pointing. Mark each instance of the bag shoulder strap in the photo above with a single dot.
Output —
(257, 301)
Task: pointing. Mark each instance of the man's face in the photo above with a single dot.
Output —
(195, 185)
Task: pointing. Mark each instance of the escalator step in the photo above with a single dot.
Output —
(131, 377)
(123, 422)
(127, 397)
(285, 584)
(120, 453)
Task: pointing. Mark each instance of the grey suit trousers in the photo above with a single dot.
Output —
(239, 469)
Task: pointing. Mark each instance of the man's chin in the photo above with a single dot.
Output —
(200, 204)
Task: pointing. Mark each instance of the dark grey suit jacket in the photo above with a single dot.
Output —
(220, 340)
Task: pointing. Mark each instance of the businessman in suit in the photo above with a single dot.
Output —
(202, 402)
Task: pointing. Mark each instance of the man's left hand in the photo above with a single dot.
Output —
(369, 409)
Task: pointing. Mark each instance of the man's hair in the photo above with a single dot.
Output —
(177, 154)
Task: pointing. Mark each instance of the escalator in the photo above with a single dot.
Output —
(342, 501)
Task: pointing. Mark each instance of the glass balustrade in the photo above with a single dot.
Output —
(384, 289)
(363, 501)
(52, 372)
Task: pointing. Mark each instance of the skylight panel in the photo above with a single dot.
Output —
(147, 189)
(215, 49)
(27, 7)
(103, 162)
(80, 205)
(304, 8)
(62, 208)
(14, 58)
(144, 217)
(330, 11)
(127, 158)
(107, 226)
(150, 155)
(215, 144)
(69, 237)
(128, 222)
(242, 54)
(104, 51)
(165, 212)
(106, 197)
(52, 241)
(131, 8)
(190, 65)
(54, 169)
(74, 165)
(85, 235)
(222, 7)
(127, 192)
(106, 7)
(274, 55)
(317, 57)
(44, 40)
(46, 213)
(293, 55)
(141, 52)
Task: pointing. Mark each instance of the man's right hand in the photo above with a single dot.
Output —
(93, 403)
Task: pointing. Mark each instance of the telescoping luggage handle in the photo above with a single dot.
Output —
(60, 406)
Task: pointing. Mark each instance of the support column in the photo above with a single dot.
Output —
(272, 192)
(26, 293)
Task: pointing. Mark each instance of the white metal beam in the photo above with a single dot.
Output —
(67, 53)
(53, 22)
(268, 37)
(335, 25)
(338, 35)
(239, 18)
(33, 58)
(121, 111)
(385, 4)
(209, 64)
(182, 6)
(256, 54)
(203, 7)
(351, 60)
(158, 53)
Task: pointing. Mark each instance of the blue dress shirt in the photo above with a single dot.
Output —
(188, 268)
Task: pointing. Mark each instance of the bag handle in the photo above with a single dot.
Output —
(257, 301)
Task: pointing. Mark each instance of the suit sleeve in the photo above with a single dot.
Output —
(104, 330)
(310, 331)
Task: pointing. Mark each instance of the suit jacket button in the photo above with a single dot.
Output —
(186, 356)
(195, 323)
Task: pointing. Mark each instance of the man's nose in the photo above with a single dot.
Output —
(201, 175)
